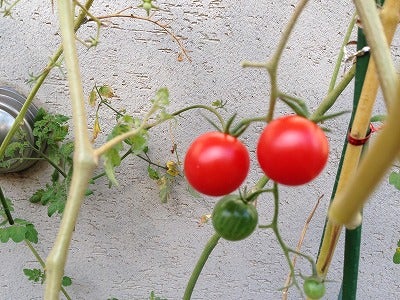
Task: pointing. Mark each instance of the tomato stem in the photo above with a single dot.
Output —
(244, 124)
(210, 109)
(43, 265)
(339, 59)
(6, 208)
(85, 160)
(212, 242)
(286, 250)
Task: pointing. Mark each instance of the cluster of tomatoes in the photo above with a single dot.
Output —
(291, 150)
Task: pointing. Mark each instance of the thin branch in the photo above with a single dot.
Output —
(165, 27)
(272, 65)
(298, 248)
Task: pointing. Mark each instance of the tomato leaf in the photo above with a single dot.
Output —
(153, 174)
(160, 103)
(31, 233)
(331, 116)
(35, 275)
(112, 159)
(164, 188)
(4, 235)
(162, 98)
(54, 195)
(106, 91)
(378, 118)
(66, 281)
(394, 179)
(92, 97)
(17, 233)
(396, 256)
(298, 106)
(139, 142)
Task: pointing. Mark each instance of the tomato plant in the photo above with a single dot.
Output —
(292, 150)
(233, 219)
(216, 164)
(314, 288)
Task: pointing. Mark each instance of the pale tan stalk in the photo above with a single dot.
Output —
(84, 159)
(390, 19)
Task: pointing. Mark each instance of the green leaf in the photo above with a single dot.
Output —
(398, 243)
(31, 233)
(394, 179)
(54, 195)
(139, 142)
(55, 207)
(37, 196)
(50, 130)
(66, 281)
(218, 104)
(160, 103)
(35, 275)
(162, 98)
(66, 151)
(92, 97)
(330, 116)
(378, 118)
(4, 235)
(153, 174)
(106, 91)
(17, 233)
(112, 159)
(164, 188)
(396, 256)
(40, 114)
(16, 150)
(297, 105)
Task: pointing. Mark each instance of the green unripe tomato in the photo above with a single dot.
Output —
(233, 219)
(314, 288)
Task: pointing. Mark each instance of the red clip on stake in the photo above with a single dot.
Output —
(359, 142)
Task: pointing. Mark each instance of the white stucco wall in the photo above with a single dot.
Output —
(126, 242)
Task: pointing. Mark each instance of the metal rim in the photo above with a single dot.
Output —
(11, 103)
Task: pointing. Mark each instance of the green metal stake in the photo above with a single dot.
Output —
(353, 237)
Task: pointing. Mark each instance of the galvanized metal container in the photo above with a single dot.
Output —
(10, 104)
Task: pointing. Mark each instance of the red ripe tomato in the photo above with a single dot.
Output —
(216, 164)
(292, 150)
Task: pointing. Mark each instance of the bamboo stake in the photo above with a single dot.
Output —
(333, 228)
(375, 164)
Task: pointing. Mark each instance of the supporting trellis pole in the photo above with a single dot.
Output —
(353, 237)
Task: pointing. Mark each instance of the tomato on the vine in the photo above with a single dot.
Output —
(233, 219)
(292, 150)
(314, 288)
(216, 164)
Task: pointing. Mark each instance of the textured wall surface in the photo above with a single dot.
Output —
(126, 243)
